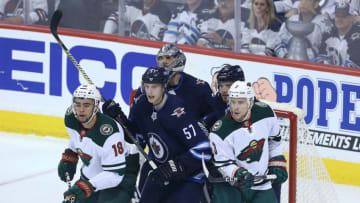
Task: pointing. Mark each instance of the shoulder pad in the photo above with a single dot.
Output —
(105, 127)
(261, 110)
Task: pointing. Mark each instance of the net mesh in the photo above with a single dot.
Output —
(313, 183)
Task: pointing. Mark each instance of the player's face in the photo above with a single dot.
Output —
(84, 109)
(223, 89)
(239, 108)
(166, 61)
(154, 92)
(343, 22)
(260, 8)
(226, 7)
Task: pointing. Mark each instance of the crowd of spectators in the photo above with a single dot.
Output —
(335, 38)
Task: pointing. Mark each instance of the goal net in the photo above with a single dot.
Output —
(308, 181)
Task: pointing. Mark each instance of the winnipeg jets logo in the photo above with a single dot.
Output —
(178, 112)
(252, 152)
(158, 147)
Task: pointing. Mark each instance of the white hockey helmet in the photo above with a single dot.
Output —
(87, 92)
(241, 89)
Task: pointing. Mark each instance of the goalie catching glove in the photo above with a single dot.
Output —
(277, 166)
(68, 164)
(80, 190)
(168, 171)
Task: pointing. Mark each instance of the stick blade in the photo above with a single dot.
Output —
(55, 20)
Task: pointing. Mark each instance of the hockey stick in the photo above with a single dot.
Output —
(55, 20)
(68, 182)
(231, 179)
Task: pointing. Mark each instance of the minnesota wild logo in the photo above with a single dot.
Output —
(85, 158)
(252, 152)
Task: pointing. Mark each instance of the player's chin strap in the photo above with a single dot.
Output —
(96, 109)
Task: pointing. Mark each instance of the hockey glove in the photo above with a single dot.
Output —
(168, 171)
(67, 164)
(246, 179)
(80, 190)
(113, 109)
(277, 166)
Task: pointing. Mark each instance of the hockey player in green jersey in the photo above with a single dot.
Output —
(110, 165)
(245, 144)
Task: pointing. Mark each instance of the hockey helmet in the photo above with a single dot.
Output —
(87, 92)
(230, 73)
(242, 89)
(156, 75)
(174, 51)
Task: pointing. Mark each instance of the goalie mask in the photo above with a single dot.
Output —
(87, 92)
(170, 50)
(241, 89)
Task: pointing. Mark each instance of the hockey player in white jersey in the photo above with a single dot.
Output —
(182, 28)
(246, 143)
(217, 27)
(13, 11)
(99, 142)
(146, 19)
(309, 11)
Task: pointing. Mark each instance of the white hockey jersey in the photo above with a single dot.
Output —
(266, 42)
(38, 10)
(102, 150)
(212, 22)
(249, 144)
(140, 23)
(322, 25)
(182, 28)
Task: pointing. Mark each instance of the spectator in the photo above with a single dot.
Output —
(13, 11)
(327, 8)
(182, 27)
(147, 19)
(341, 44)
(309, 12)
(217, 27)
(262, 36)
(81, 14)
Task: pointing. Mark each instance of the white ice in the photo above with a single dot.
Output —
(28, 170)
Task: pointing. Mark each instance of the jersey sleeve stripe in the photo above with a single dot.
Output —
(118, 171)
(197, 151)
(114, 166)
